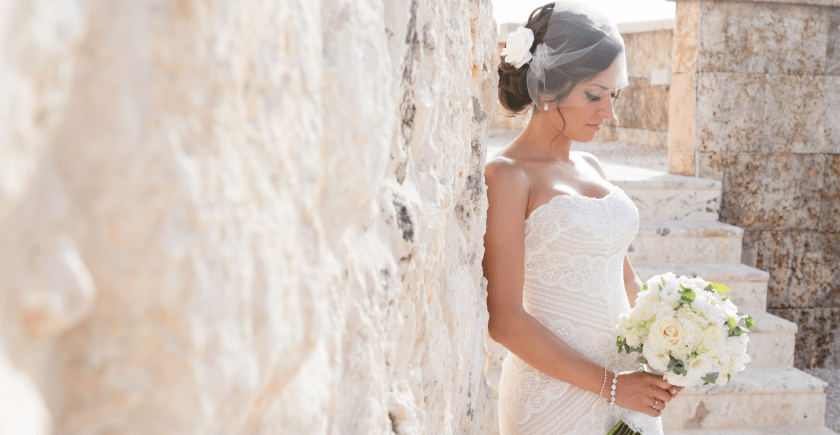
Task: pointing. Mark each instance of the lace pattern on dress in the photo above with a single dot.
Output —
(574, 286)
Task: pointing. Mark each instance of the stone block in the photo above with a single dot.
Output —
(775, 39)
(681, 162)
(831, 117)
(804, 266)
(830, 212)
(729, 111)
(681, 115)
(753, 397)
(832, 50)
(684, 46)
(818, 338)
(773, 191)
(663, 197)
(797, 111)
(686, 242)
(643, 106)
(711, 45)
(771, 342)
(647, 51)
(711, 165)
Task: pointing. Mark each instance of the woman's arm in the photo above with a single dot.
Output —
(511, 326)
(632, 283)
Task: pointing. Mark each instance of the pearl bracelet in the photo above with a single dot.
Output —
(612, 393)
(601, 391)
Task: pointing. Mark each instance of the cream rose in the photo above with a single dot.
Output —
(713, 340)
(667, 333)
(518, 47)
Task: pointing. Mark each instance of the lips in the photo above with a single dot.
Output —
(595, 127)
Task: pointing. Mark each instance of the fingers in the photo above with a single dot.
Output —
(663, 396)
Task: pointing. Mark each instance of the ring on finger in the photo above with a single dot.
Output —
(655, 402)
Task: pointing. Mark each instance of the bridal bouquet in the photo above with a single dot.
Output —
(687, 330)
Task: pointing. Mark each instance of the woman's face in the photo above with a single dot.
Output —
(588, 105)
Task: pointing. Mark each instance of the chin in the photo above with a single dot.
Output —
(584, 137)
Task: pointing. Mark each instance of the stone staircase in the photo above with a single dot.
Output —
(679, 232)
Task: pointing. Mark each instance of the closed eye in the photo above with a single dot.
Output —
(591, 97)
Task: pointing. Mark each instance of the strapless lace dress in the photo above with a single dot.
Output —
(574, 286)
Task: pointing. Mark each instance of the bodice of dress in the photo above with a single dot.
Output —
(574, 286)
(574, 268)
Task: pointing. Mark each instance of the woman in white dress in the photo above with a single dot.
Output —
(557, 238)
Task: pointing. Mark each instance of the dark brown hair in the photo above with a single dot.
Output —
(513, 87)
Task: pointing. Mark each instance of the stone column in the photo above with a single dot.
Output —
(755, 103)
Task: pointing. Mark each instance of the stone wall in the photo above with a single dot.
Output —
(642, 108)
(755, 103)
(232, 217)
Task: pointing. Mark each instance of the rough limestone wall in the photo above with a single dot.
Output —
(234, 217)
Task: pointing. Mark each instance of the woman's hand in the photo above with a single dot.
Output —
(644, 392)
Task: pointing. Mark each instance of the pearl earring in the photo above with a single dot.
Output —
(545, 107)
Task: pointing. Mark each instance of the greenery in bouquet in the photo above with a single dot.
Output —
(686, 329)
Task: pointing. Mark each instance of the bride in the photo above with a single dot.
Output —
(557, 238)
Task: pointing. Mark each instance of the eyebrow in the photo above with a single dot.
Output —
(593, 84)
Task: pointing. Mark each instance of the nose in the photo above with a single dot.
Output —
(606, 110)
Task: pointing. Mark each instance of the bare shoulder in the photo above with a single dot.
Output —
(593, 161)
(507, 182)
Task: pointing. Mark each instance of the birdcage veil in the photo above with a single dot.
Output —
(575, 33)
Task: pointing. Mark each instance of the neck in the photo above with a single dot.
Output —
(544, 138)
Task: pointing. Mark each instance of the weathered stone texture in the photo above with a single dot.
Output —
(832, 53)
(711, 165)
(643, 106)
(804, 266)
(647, 51)
(798, 115)
(818, 339)
(728, 112)
(755, 103)
(773, 191)
(830, 212)
(227, 217)
(775, 39)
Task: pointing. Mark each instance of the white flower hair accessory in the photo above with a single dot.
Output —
(517, 50)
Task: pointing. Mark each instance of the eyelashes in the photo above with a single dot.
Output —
(591, 97)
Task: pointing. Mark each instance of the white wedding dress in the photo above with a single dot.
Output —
(574, 286)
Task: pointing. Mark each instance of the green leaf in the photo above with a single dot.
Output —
(710, 288)
(749, 322)
(687, 294)
(677, 366)
(644, 287)
(725, 299)
(731, 323)
(720, 288)
(710, 378)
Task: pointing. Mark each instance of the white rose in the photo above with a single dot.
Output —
(713, 340)
(667, 334)
(656, 357)
(680, 380)
(518, 47)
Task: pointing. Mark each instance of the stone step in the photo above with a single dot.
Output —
(755, 397)
(747, 285)
(661, 196)
(686, 242)
(802, 430)
(772, 342)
